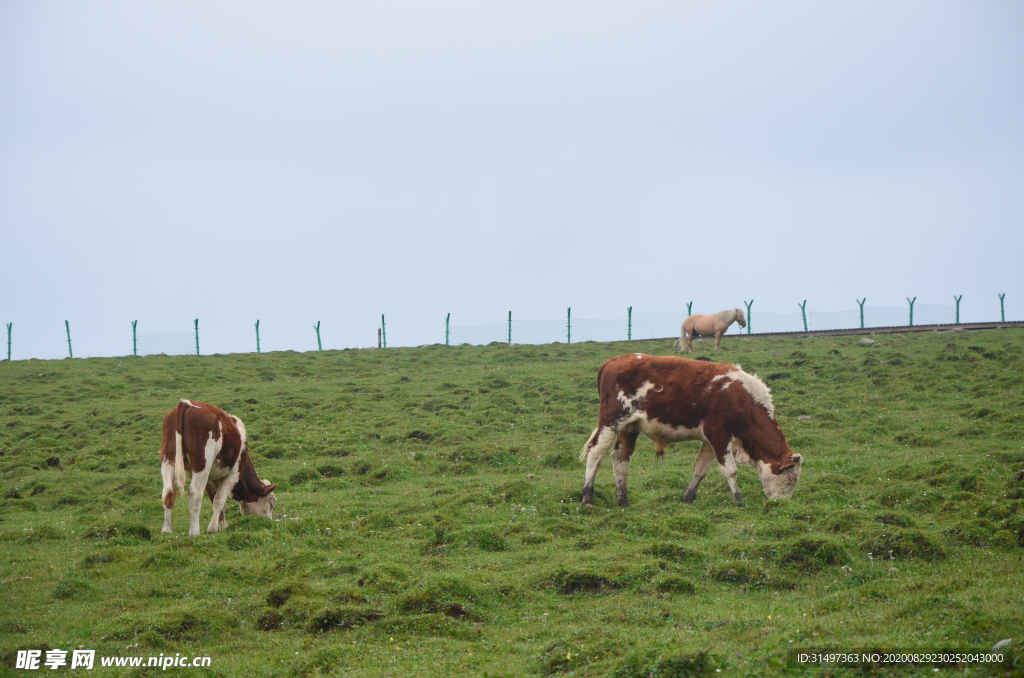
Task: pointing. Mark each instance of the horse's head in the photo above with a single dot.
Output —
(740, 318)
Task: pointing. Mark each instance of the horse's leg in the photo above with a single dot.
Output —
(718, 338)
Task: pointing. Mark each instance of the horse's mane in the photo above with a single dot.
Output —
(728, 315)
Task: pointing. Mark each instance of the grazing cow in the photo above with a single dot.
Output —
(709, 325)
(671, 399)
(210, 445)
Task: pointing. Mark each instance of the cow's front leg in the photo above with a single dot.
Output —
(597, 447)
(728, 470)
(218, 522)
(195, 499)
(620, 463)
(700, 469)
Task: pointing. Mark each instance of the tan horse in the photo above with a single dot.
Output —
(707, 325)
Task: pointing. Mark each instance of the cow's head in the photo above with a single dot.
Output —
(264, 506)
(741, 318)
(781, 485)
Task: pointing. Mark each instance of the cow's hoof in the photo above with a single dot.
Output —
(167, 530)
(688, 498)
(588, 504)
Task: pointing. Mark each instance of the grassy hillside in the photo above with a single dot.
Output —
(429, 520)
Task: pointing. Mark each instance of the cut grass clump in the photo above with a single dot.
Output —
(676, 553)
(345, 617)
(568, 582)
(898, 543)
(673, 584)
(743, 573)
(486, 540)
(129, 531)
(69, 586)
(813, 554)
(655, 664)
(444, 595)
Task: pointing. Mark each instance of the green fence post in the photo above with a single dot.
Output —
(135, 346)
(957, 300)
(1002, 308)
(568, 325)
(383, 330)
(68, 328)
(197, 336)
(803, 310)
(510, 327)
(9, 325)
(689, 308)
(860, 302)
(748, 313)
(911, 302)
(316, 327)
(446, 319)
(629, 324)
(257, 336)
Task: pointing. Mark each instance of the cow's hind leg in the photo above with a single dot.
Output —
(594, 452)
(700, 469)
(196, 490)
(620, 463)
(167, 473)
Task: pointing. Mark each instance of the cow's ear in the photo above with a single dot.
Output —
(267, 489)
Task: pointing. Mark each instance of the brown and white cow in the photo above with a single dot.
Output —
(672, 399)
(209, 444)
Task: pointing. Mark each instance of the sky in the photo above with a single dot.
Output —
(332, 162)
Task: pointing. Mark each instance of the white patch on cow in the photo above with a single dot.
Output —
(735, 448)
(779, 486)
(639, 356)
(263, 507)
(187, 402)
(714, 379)
(661, 432)
(757, 389)
(640, 394)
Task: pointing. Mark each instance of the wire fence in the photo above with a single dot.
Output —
(631, 326)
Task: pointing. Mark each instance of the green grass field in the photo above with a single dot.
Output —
(428, 519)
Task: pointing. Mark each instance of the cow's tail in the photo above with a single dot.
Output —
(179, 452)
(591, 441)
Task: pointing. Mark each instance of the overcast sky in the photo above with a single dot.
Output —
(295, 162)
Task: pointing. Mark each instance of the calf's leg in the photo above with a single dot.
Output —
(597, 447)
(620, 464)
(700, 469)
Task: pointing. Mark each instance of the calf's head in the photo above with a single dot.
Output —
(264, 506)
(780, 485)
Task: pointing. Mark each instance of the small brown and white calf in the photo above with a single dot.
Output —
(209, 444)
(672, 399)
